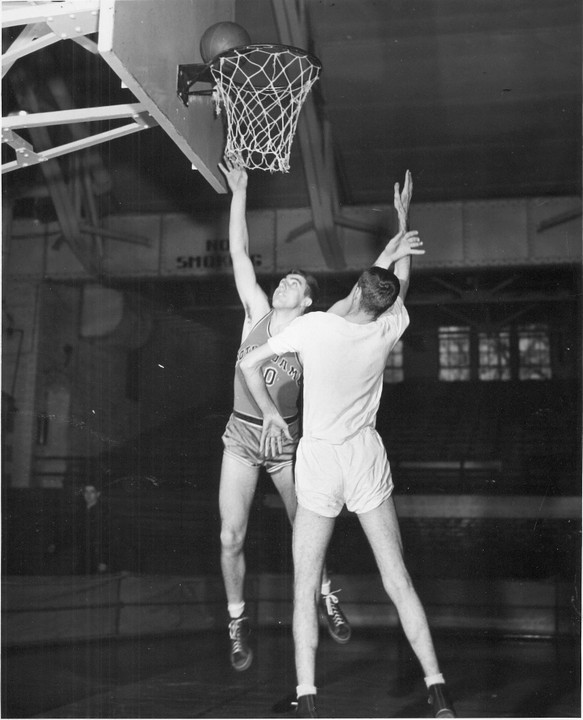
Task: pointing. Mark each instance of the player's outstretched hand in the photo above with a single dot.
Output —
(404, 244)
(274, 431)
(235, 173)
(402, 200)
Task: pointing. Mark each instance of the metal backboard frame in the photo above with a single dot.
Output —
(144, 42)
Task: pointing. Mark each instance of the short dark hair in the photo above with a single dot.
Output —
(380, 288)
(313, 289)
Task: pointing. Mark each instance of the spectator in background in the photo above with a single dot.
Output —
(92, 536)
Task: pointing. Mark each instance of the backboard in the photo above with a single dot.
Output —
(144, 42)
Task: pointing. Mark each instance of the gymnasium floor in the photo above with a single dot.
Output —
(189, 676)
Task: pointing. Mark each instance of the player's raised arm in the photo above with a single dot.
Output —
(400, 249)
(252, 296)
(402, 201)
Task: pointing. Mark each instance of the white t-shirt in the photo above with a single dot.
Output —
(343, 368)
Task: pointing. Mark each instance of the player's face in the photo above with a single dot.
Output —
(291, 292)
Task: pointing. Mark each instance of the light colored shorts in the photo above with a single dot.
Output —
(356, 474)
(241, 440)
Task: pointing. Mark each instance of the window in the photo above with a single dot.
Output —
(394, 366)
(454, 353)
(534, 352)
(494, 355)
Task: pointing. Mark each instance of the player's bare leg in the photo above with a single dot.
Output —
(311, 536)
(236, 491)
(329, 605)
(237, 487)
(283, 479)
(381, 527)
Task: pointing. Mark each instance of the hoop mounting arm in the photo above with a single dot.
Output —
(189, 75)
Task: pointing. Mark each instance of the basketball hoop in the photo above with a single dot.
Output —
(261, 90)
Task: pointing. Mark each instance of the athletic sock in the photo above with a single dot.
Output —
(326, 587)
(434, 680)
(236, 610)
(306, 690)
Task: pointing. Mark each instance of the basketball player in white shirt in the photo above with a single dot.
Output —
(341, 459)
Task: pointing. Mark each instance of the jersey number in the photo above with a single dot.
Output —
(269, 376)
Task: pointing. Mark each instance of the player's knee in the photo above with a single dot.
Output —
(398, 586)
(305, 587)
(232, 540)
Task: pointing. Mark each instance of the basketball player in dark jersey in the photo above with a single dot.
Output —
(242, 458)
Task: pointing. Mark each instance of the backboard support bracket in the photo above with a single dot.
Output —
(188, 76)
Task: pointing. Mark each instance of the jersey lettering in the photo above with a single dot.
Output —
(271, 373)
(281, 373)
(245, 351)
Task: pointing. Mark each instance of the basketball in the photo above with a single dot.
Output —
(220, 37)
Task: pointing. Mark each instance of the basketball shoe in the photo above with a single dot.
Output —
(441, 704)
(306, 707)
(338, 625)
(241, 653)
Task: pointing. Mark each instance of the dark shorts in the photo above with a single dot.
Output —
(241, 440)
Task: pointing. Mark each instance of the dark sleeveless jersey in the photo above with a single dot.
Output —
(282, 375)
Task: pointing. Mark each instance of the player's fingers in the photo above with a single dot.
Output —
(270, 446)
(415, 244)
(263, 443)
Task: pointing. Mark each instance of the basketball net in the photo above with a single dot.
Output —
(261, 89)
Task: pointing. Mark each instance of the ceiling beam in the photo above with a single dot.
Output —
(291, 21)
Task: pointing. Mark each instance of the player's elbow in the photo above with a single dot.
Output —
(404, 289)
(248, 365)
(251, 364)
(238, 253)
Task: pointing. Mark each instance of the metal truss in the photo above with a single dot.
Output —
(47, 23)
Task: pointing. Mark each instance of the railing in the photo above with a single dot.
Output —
(65, 609)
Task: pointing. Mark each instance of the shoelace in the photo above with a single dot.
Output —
(331, 606)
(235, 635)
